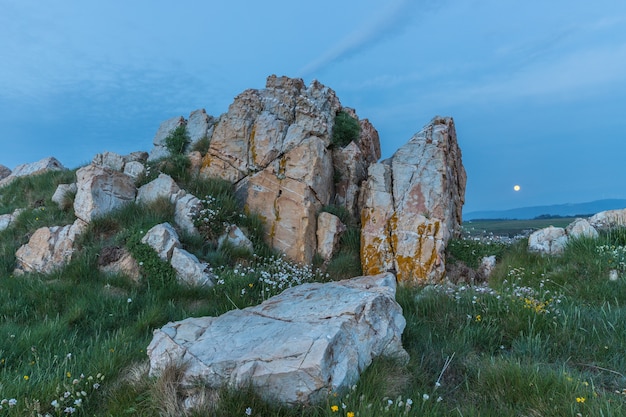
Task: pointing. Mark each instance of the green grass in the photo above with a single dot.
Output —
(511, 227)
(545, 338)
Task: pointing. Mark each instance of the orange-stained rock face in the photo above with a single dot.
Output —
(411, 206)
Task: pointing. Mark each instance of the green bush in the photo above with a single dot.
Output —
(346, 129)
(177, 141)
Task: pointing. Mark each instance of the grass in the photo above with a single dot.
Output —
(544, 338)
(511, 227)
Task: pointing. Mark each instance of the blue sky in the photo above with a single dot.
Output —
(537, 89)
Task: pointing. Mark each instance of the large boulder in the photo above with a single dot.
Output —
(295, 347)
(411, 205)
(49, 248)
(101, 190)
(34, 168)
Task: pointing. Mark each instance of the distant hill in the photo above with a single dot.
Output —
(568, 210)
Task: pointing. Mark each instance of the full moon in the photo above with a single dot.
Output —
(517, 187)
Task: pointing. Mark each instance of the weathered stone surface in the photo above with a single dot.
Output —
(61, 192)
(608, 219)
(160, 151)
(101, 190)
(163, 239)
(199, 126)
(195, 162)
(548, 241)
(34, 168)
(4, 172)
(581, 228)
(189, 270)
(350, 166)
(116, 260)
(134, 169)
(412, 214)
(293, 348)
(186, 207)
(7, 219)
(162, 187)
(137, 156)
(329, 231)
(48, 248)
(109, 160)
(235, 237)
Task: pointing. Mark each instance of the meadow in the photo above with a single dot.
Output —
(544, 337)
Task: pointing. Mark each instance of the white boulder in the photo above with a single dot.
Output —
(189, 270)
(101, 190)
(548, 241)
(161, 187)
(163, 239)
(293, 348)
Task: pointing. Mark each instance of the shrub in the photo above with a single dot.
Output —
(346, 129)
(177, 141)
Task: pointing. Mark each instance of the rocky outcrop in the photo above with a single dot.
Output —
(411, 206)
(160, 151)
(275, 144)
(101, 190)
(295, 347)
(49, 248)
(34, 168)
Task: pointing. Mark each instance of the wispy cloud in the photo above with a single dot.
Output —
(390, 21)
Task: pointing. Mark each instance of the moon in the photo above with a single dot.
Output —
(516, 187)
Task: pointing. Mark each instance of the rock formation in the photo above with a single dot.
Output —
(411, 205)
(294, 347)
(34, 168)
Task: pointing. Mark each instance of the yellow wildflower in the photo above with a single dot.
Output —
(350, 414)
(580, 399)
(334, 408)
(26, 377)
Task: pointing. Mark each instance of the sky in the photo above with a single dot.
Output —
(537, 89)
